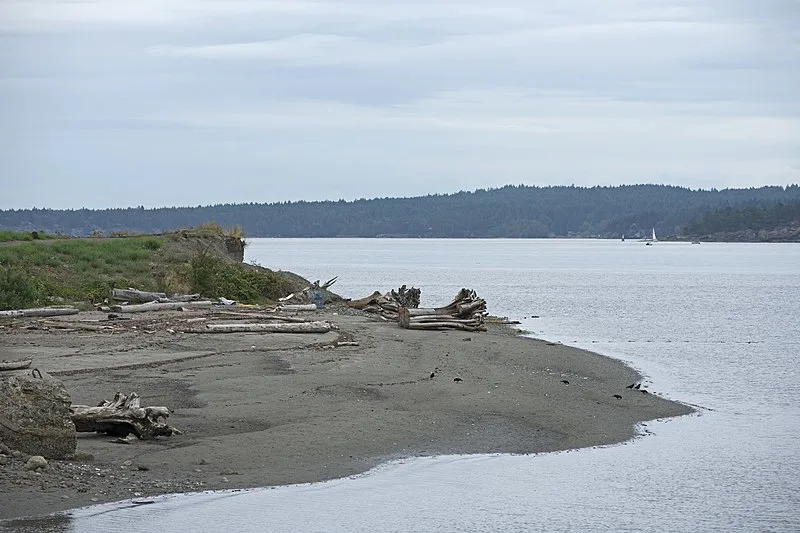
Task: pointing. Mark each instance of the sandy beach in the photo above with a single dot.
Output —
(273, 409)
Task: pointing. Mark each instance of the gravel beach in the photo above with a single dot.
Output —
(272, 409)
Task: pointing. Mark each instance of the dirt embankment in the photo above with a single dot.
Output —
(267, 409)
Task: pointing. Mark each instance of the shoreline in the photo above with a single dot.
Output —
(262, 410)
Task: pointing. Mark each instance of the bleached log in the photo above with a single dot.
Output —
(261, 316)
(134, 295)
(155, 306)
(45, 311)
(298, 307)
(180, 298)
(305, 327)
(361, 303)
(15, 365)
(121, 416)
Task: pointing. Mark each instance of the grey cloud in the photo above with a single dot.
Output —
(289, 99)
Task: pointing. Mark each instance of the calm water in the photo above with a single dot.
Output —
(713, 324)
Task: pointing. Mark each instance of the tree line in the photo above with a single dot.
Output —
(513, 211)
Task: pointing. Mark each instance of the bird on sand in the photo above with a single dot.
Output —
(638, 386)
(632, 385)
(565, 382)
(457, 379)
(433, 375)
(617, 396)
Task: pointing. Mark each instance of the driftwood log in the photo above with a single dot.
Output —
(466, 312)
(121, 416)
(234, 315)
(388, 305)
(311, 293)
(280, 327)
(15, 365)
(137, 296)
(156, 306)
(45, 311)
(298, 307)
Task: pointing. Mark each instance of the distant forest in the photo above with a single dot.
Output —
(510, 211)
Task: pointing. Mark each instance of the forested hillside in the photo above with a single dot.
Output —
(511, 211)
(756, 220)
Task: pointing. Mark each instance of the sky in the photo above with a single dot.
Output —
(114, 103)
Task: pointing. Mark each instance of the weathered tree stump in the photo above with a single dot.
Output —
(123, 415)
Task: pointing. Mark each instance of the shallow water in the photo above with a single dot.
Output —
(714, 324)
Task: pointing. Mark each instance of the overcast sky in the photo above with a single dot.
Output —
(188, 102)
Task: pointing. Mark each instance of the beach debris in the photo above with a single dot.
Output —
(40, 312)
(297, 307)
(388, 305)
(315, 293)
(123, 416)
(159, 306)
(18, 364)
(466, 312)
(137, 296)
(319, 326)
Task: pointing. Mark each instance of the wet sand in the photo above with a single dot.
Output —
(273, 409)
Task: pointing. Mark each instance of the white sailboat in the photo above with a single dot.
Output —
(649, 242)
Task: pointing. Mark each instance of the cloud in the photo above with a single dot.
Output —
(381, 98)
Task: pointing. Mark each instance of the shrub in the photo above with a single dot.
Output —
(215, 277)
(18, 290)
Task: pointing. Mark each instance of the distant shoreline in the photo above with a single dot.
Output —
(263, 410)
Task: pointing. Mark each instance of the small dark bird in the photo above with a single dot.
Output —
(638, 386)
(645, 392)
(565, 382)
(617, 396)
(433, 375)
(457, 380)
(632, 385)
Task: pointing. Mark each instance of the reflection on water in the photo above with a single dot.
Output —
(714, 325)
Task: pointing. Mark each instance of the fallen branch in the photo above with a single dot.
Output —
(45, 311)
(305, 327)
(121, 416)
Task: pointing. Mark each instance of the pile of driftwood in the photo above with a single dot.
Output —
(388, 305)
(311, 295)
(466, 312)
(121, 416)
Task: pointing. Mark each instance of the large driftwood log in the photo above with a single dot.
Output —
(466, 312)
(45, 311)
(261, 316)
(306, 327)
(121, 416)
(387, 305)
(155, 306)
(134, 295)
(298, 307)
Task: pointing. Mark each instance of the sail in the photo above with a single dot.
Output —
(654, 234)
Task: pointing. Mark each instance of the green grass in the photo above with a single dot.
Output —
(9, 236)
(33, 273)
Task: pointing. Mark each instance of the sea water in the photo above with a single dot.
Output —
(715, 325)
